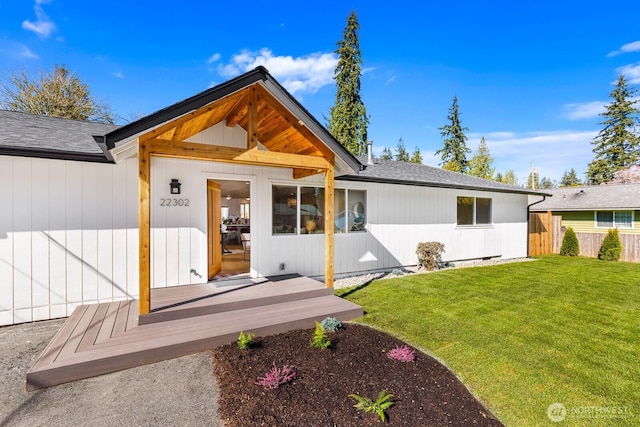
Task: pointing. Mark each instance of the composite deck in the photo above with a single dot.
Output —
(102, 338)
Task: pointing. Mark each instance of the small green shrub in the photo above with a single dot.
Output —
(380, 406)
(320, 338)
(245, 341)
(570, 245)
(611, 247)
(331, 324)
(429, 254)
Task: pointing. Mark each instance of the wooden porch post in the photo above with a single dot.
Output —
(328, 226)
(144, 226)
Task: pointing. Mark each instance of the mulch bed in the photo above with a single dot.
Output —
(425, 392)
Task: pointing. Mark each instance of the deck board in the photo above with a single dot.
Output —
(103, 338)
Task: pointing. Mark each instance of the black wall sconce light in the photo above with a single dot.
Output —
(174, 185)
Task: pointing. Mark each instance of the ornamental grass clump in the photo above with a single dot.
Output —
(570, 244)
(276, 377)
(429, 254)
(380, 406)
(611, 247)
(402, 354)
(320, 338)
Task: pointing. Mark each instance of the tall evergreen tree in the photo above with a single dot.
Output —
(416, 157)
(402, 155)
(386, 154)
(348, 117)
(454, 152)
(480, 163)
(59, 93)
(570, 179)
(618, 144)
(499, 177)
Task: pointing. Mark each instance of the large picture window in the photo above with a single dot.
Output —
(285, 202)
(300, 210)
(473, 211)
(614, 219)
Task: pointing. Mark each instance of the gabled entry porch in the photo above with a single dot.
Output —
(276, 132)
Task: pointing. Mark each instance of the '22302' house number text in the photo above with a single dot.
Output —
(174, 202)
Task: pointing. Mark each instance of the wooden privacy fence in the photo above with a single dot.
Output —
(540, 233)
(546, 234)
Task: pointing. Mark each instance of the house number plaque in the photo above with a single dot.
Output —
(174, 202)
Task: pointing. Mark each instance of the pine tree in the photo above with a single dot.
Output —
(611, 248)
(499, 177)
(454, 152)
(402, 154)
(348, 117)
(58, 93)
(510, 177)
(480, 163)
(416, 157)
(617, 145)
(386, 154)
(570, 179)
(547, 183)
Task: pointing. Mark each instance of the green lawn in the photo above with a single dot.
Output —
(525, 335)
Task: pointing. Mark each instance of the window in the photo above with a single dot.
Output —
(614, 219)
(244, 210)
(311, 210)
(285, 202)
(473, 211)
(300, 210)
(357, 215)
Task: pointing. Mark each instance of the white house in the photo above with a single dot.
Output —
(96, 213)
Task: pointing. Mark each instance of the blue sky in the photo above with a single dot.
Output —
(531, 77)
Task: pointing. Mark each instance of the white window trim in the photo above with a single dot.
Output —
(475, 225)
(615, 224)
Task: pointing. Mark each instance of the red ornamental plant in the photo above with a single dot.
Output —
(403, 354)
(276, 377)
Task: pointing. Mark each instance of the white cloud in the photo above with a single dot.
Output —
(304, 74)
(390, 80)
(631, 72)
(626, 48)
(587, 110)
(43, 26)
(213, 58)
(552, 152)
(17, 50)
(119, 74)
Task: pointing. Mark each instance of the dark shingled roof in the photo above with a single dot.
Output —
(394, 172)
(595, 197)
(30, 135)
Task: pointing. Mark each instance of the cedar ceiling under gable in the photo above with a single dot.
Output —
(277, 129)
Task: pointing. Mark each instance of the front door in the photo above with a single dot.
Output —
(213, 228)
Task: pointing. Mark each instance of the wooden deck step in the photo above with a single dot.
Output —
(180, 302)
(82, 348)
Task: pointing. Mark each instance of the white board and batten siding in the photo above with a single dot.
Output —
(400, 216)
(68, 236)
(69, 230)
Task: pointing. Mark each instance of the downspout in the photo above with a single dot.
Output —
(528, 215)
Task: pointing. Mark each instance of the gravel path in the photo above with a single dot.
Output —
(357, 280)
(178, 392)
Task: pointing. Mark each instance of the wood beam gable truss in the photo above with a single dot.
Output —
(288, 142)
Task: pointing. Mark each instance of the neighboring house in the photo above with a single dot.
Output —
(96, 213)
(591, 211)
